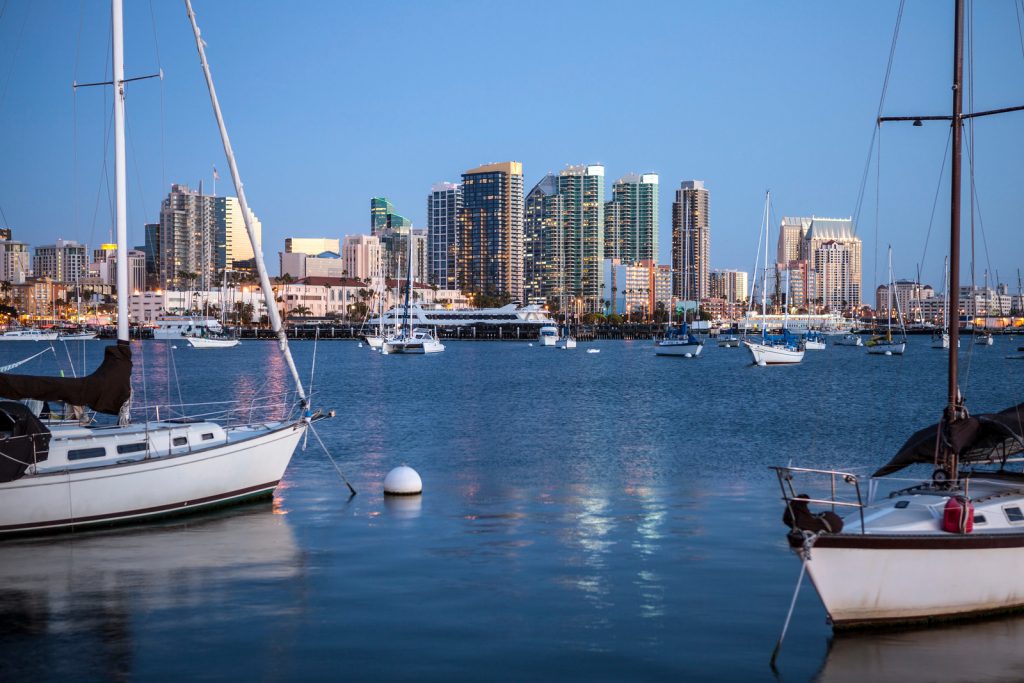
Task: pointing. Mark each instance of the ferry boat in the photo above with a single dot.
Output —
(438, 316)
(178, 326)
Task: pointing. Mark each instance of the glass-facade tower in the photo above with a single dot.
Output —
(443, 206)
(491, 231)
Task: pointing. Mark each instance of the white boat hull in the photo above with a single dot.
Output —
(939, 578)
(210, 343)
(174, 484)
(374, 342)
(546, 340)
(673, 348)
(413, 347)
(766, 354)
(78, 336)
(888, 348)
(812, 345)
(569, 344)
(848, 340)
(30, 335)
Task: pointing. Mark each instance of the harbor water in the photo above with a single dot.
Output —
(584, 516)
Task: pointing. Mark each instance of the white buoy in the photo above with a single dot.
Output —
(688, 355)
(888, 353)
(593, 350)
(531, 343)
(403, 481)
(174, 346)
(360, 346)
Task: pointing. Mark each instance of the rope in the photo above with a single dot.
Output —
(330, 457)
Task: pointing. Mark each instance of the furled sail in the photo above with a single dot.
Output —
(990, 437)
(105, 390)
(24, 440)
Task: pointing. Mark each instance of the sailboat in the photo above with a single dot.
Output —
(379, 284)
(772, 349)
(948, 547)
(680, 341)
(66, 478)
(408, 339)
(940, 340)
(887, 346)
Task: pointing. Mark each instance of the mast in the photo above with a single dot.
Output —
(121, 195)
(408, 286)
(953, 395)
(888, 329)
(261, 268)
(764, 271)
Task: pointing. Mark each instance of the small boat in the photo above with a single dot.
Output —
(593, 350)
(570, 343)
(212, 342)
(548, 335)
(984, 339)
(886, 345)
(814, 341)
(729, 343)
(679, 341)
(848, 340)
(77, 336)
(374, 341)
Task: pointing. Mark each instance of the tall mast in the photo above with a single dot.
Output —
(261, 268)
(121, 195)
(954, 211)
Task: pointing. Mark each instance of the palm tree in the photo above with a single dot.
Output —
(301, 311)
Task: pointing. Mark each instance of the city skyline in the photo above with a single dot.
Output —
(312, 147)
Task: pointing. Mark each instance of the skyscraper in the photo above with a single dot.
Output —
(393, 230)
(443, 204)
(791, 235)
(691, 240)
(631, 219)
(201, 235)
(491, 231)
(540, 216)
(64, 261)
(833, 250)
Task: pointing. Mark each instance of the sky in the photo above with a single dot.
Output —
(331, 103)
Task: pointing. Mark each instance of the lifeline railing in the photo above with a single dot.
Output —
(786, 475)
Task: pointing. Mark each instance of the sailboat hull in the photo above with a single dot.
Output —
(766, 354)
(73, 499)
(373, 341)
(669, 347)
(877, 580)
(209, 343)
(814, 345)
(888, 348)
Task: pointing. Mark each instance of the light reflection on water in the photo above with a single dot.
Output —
(604, 516)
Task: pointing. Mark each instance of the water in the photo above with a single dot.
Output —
(585, 516)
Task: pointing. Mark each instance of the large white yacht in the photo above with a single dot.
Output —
(438, 316)
(29, 334)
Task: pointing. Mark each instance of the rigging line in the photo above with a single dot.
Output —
(1020, 30)
(76, 204)
(970, 130)
(935, 201)
(878, 201)
(159, 63)
(881, 105)
(976, 208)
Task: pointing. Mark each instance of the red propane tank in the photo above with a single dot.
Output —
(958, 516)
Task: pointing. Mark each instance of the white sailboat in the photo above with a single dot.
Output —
(679, 341)
(65, 478)
(948, 547)
(782, 350)
(887, 346)
(940, 340)
(408, 339)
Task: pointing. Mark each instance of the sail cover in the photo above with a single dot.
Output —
(105, 390)
(23, 440)
(990, 437)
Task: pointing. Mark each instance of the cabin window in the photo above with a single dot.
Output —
(1013, 514)
(83, 453)
(180, 440)
(208, 436)
(979, 519)
(131, 447)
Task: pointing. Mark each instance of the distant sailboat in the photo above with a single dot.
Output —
(886, 345)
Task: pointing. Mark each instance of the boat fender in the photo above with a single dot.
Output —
(799, 516)
(958, 516)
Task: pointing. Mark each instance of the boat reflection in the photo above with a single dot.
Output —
(87, 590)
(989, 651)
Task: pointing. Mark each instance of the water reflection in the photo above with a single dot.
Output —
(990, 651)
(404, 507)
(85, 593)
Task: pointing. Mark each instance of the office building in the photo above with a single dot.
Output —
(443, 204)
(832, 249)
(311, 245)
(491, 231)
(729, 285)
(361, 257)
(540, 216)
(631, 219)
(691, 240)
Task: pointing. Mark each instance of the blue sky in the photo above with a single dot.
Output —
(329, 104)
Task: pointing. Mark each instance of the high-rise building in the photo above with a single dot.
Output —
(791, 235)
(311, 245)
(361, 256)
(564, 238)
(14, 261)
(631, 219)
(393, 231)
(152, 250)
(491, 231)
(730, 285)
(66, 261)
(539, 217)
(383, 216)
(691, 240)
(832, 249)
(199, 235)
(443, 204)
